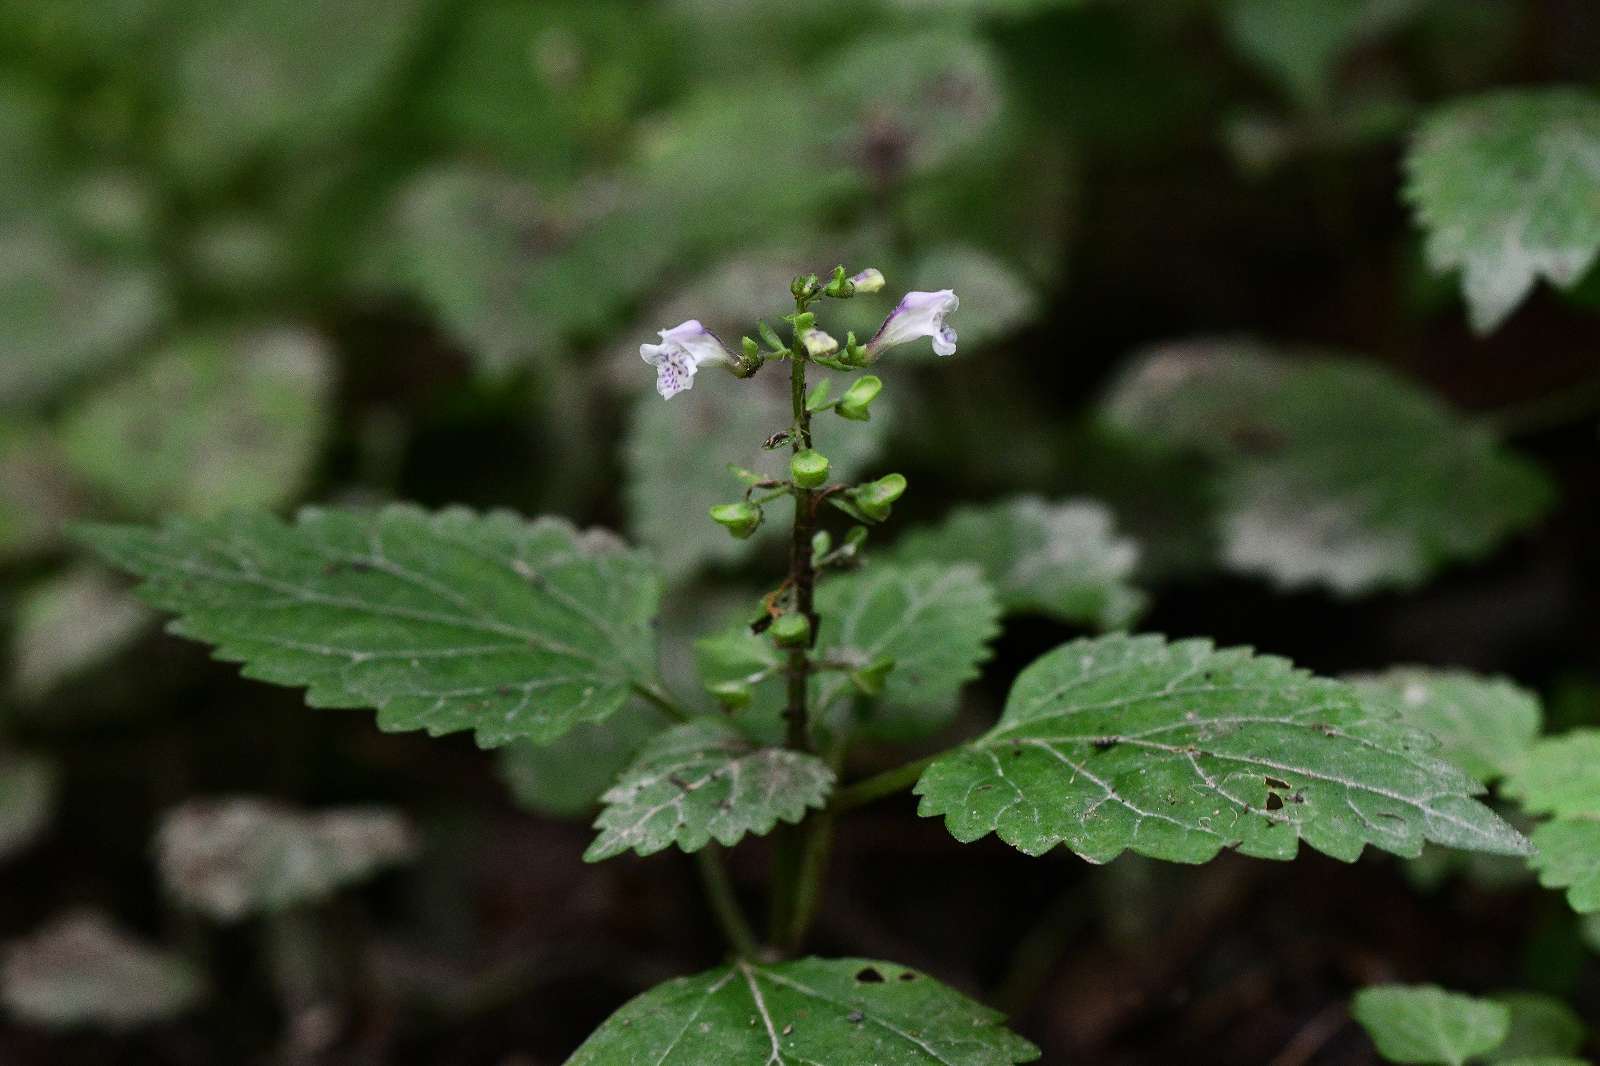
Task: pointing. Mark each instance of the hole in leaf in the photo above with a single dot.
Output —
(1274, 802)
(869, 976)
(908, 976)
(1273, 782)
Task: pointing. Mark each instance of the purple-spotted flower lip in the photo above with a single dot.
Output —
(919, 314)
(684, 349)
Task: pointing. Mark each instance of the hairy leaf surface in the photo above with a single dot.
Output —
(1064, 560)
(704, 781)
(804, 1013)
(1507, 187)
(1426, 1024)
(1179, 750)
(442, 622)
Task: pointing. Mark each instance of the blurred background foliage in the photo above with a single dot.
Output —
(254, 254)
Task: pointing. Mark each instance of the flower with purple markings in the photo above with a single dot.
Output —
(683, 350)
(919, 314)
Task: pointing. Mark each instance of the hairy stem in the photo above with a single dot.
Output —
(724, 905)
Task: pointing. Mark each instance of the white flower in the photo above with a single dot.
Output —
(683, 350)
(920, 314)
(818, 343)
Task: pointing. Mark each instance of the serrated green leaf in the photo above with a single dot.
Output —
(1064, 560)
(1569, 858)
(210, 424)
(443, 622)
(28, 786)
(1330, 471)
(1507, 187)
(1483, 725)
(1179, 750)
(1543, 1029)
(677, 453)
(1560, 776)
(1426, 1024)
(934, 620)
(704, 781)
(564, 778)
(240, 856)
(833, 1011)
(80, 970)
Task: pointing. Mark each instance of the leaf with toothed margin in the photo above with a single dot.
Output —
(445, 621)
(804, 1013)
(1560, 776)
(1178, 750)
(704, 781)
(1426, 1024)
(1483, 724)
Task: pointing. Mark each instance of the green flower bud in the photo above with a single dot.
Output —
(876, 498)
(858, 398)
(792, 630)
(740, 519)
(809, 468)
(733, 695)
(869, 679)
(821, 543)
(839, 286)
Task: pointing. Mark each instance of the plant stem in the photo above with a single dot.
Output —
(724, 905)
(880, 785)
(658, 696)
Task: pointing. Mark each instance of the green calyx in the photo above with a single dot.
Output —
(792, 630)
(809, 469)
(875, 499)
(740, 519)
(857, 400)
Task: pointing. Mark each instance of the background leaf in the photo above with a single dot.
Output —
(1426, 1024)
(1484, 725)
(565, 777)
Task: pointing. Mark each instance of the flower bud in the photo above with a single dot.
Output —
(868, 281)
(839, 286)
(818, 343)
(740, 519)
(876, 498)
(808, 468)
(792, 630)
(804, 286)
(821, 543)
(858, 398)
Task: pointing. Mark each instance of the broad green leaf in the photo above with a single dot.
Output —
(1426, 1024)
(80, 970)
(443, 622)
(239, 856)
(65, 314)
(1560, 776)
(1484, 725)
(1542, 1029)
(1330, 471)
(1064, 560)
(263, 76)
(1300, 42)
(677, 454)
(809, 1011)
(564, 778)
(1507, 188)
(704, 781)
(210, 424)
(68, 624)
(1179, 750)
(934, 620)
(1569, 858)
(28, 787)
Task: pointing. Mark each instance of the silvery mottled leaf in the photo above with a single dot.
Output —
(1330, 471)
(80, 970)
(1061, 559)
(444, 622)
(208, 425)
(28, 787)
(67, 624)
(1178, 750)
(833, 1011)
(704, 781)
(1426, 1024)
(236, 857)
(1507, 188)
